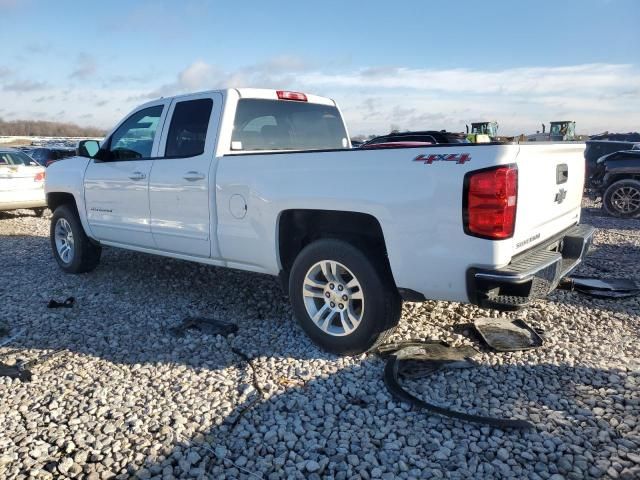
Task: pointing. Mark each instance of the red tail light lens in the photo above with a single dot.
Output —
(297, 96)
(490, 201)
(39, 177)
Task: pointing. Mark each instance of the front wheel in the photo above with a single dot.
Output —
(71, 247)
(622, 198)
(343, 299)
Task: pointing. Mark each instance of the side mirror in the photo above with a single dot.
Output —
(88, 148)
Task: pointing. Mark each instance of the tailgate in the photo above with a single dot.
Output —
(550, 187)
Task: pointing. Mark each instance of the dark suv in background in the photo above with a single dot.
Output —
(600, 145)
(46, 156)
(616, 178)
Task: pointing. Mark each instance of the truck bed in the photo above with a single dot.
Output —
(415, 193)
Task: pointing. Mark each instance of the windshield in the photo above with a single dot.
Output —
(558, 129)
(287, 125)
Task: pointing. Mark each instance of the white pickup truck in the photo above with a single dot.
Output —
(266, 181)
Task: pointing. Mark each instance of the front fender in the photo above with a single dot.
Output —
(67, 176)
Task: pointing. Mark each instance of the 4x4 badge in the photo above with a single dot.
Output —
(459, 158)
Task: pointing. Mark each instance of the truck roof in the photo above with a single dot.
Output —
(258, 93)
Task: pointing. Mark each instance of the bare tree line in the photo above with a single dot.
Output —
(30, 128)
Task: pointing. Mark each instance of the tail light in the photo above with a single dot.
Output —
(297, 96)
(489, 202)
(39, 177)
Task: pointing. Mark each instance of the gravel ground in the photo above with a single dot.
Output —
(129, 399)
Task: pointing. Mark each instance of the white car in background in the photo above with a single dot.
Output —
(21, 182)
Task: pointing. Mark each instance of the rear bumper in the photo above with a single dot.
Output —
(23, 204)
(531, 275)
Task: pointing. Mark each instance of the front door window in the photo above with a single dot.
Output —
(133, 140)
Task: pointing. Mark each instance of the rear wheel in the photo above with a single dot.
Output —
(71, 247)
(343, 300)
(622, 198)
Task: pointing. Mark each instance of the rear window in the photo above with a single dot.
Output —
(14, 158)
(188, 130)
(287, 125)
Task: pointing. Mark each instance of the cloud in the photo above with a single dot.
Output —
(597, 96)
(201, 75)
(530, 81)
(44, 99)
(24, 86)
(85, 68)
(5, 71)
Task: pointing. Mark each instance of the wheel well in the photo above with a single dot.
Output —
(623, 176)
(298, 228)
(55, 199)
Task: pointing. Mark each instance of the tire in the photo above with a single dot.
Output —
(372, 307)
(622, 199)
(66, 229)
(39, 211)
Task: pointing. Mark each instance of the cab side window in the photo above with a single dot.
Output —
(188, 130)
(133, 140)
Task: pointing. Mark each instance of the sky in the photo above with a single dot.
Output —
(403, 64)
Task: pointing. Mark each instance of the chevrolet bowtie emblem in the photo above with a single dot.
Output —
(561, 195)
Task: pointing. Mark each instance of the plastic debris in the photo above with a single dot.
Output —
(205, 325)
(256, 385)
(68, 303)
(601, 288)
(435, 355)
(10, 339)
(23, 369)
(507, 335)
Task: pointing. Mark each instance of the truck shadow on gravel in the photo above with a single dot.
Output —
(328, 420)
(312, 423)
(318, 406)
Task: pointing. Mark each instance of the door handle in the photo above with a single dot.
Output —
(193, 176)
(137, 176)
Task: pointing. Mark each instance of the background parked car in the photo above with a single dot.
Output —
(616, 178)
(46, 156)
(21, 182)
